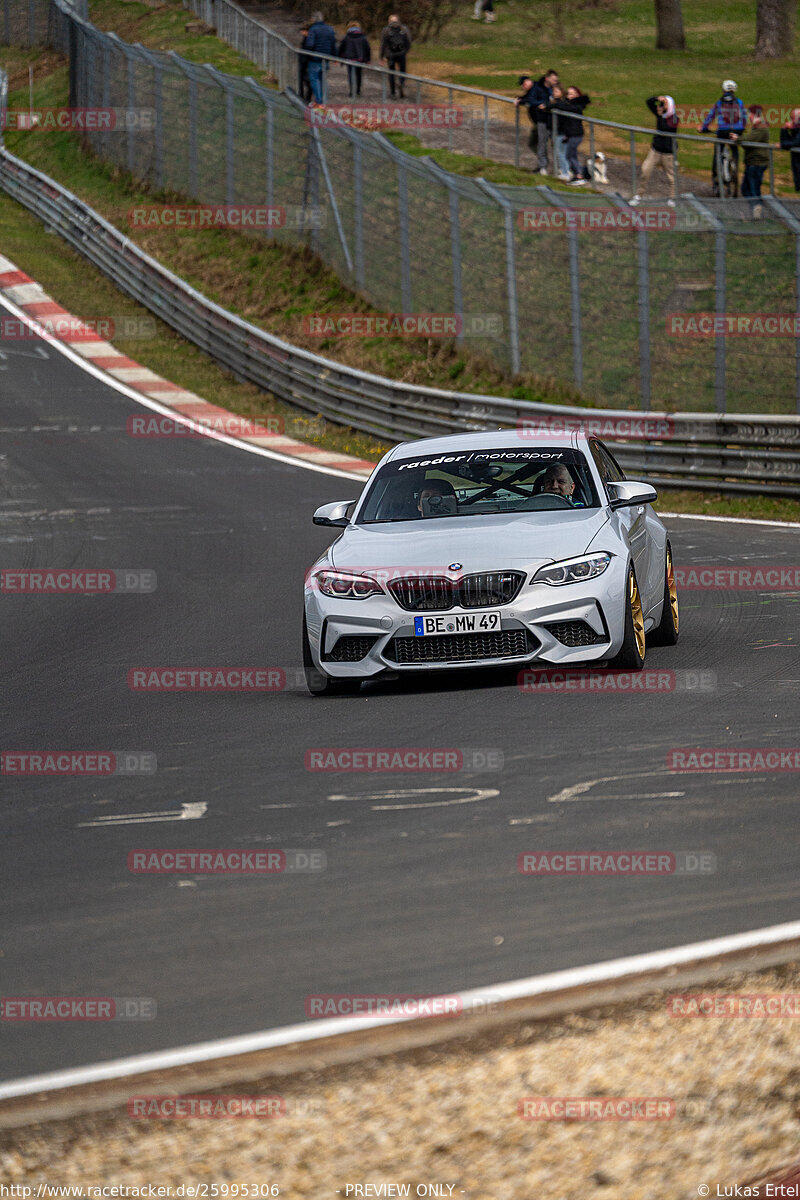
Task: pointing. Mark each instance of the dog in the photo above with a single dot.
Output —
(596, 170)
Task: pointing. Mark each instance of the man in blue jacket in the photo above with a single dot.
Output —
(731, 116)
(322, 38)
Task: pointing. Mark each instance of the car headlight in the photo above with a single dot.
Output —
(572, 570)
(345, 585)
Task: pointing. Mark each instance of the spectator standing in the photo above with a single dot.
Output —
(527, 101)
(485, 7)
(571, 129)
(322, 38)
(354, 48)
(661, 154)
(790, 140)
(756, 157)
(303, 83)
(542, 95)
(555, 126)
(395, 45)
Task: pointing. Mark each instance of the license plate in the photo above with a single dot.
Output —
(461, 623)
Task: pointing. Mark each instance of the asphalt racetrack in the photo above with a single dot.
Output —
(421, 894)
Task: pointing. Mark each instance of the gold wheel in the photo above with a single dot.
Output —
(673, 591)
(636, 613)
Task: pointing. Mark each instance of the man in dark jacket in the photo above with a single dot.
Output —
(661, 154)
(756, 157)
(790, 140)
(527, 102)
(303, 85)
(395, 45)
(354, 47)
(542, 96)
(322, 38)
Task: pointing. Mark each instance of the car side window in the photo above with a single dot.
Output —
(610, 471)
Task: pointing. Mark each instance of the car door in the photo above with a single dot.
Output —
(632, 521)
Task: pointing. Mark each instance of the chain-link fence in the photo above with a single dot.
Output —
(688, 308)
(494, 126)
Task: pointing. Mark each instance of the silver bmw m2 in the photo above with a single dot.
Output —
(488, 549)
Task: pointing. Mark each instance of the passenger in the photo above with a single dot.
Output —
(434, 487)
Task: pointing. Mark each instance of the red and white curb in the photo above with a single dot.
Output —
(184, 406)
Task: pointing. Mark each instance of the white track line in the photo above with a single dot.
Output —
(122, 388)
(287, 1035)
(733, 520)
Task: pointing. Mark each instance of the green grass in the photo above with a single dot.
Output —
(609, 52)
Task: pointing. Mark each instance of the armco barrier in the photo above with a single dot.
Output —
(725, 454)
(410, 237)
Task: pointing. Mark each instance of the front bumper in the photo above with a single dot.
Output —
(538, 624)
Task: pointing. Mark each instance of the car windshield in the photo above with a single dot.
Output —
(476, 482)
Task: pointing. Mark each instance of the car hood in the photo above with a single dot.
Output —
(486, 543)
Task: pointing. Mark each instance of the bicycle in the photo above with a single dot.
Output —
(725, 171)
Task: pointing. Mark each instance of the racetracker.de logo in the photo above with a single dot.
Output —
(77, 1008)
(387, 116)
(78, 120)
(596, 1108)
(715, 578)
(64, 326)
(403, 759)
(226, 216)
(206, 679)
(59, 581)
(596, 220)
(580, 680)
(735, 1005)
(215, 1108)
(411, 325)
(226, 862)
(201, 424)
(78, 762)
(625, 428)
(755, 758)
(757, 324)
(386, 1005)
(617, 862)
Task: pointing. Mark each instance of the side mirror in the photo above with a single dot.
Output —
(333, 514)
(630, 492)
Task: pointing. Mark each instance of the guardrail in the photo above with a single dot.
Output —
(724, 454)
(488, 116)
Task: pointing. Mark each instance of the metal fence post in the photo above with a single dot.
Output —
(720, 299)
(643, 262)
(158, 143)
(230, 145)
(131, 139)
(358, 213)
(791, 220)
(405, 241)
(507, 210)
(516, 136)
(574, 287)
(455, 243)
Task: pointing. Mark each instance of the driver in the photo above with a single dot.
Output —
(433, 487)
(557, 481)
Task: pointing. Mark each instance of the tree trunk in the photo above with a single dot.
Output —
(669, 25)
(775, 28)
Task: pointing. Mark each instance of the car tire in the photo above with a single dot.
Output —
(317, 682)
(632, 652)
(666, 632)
